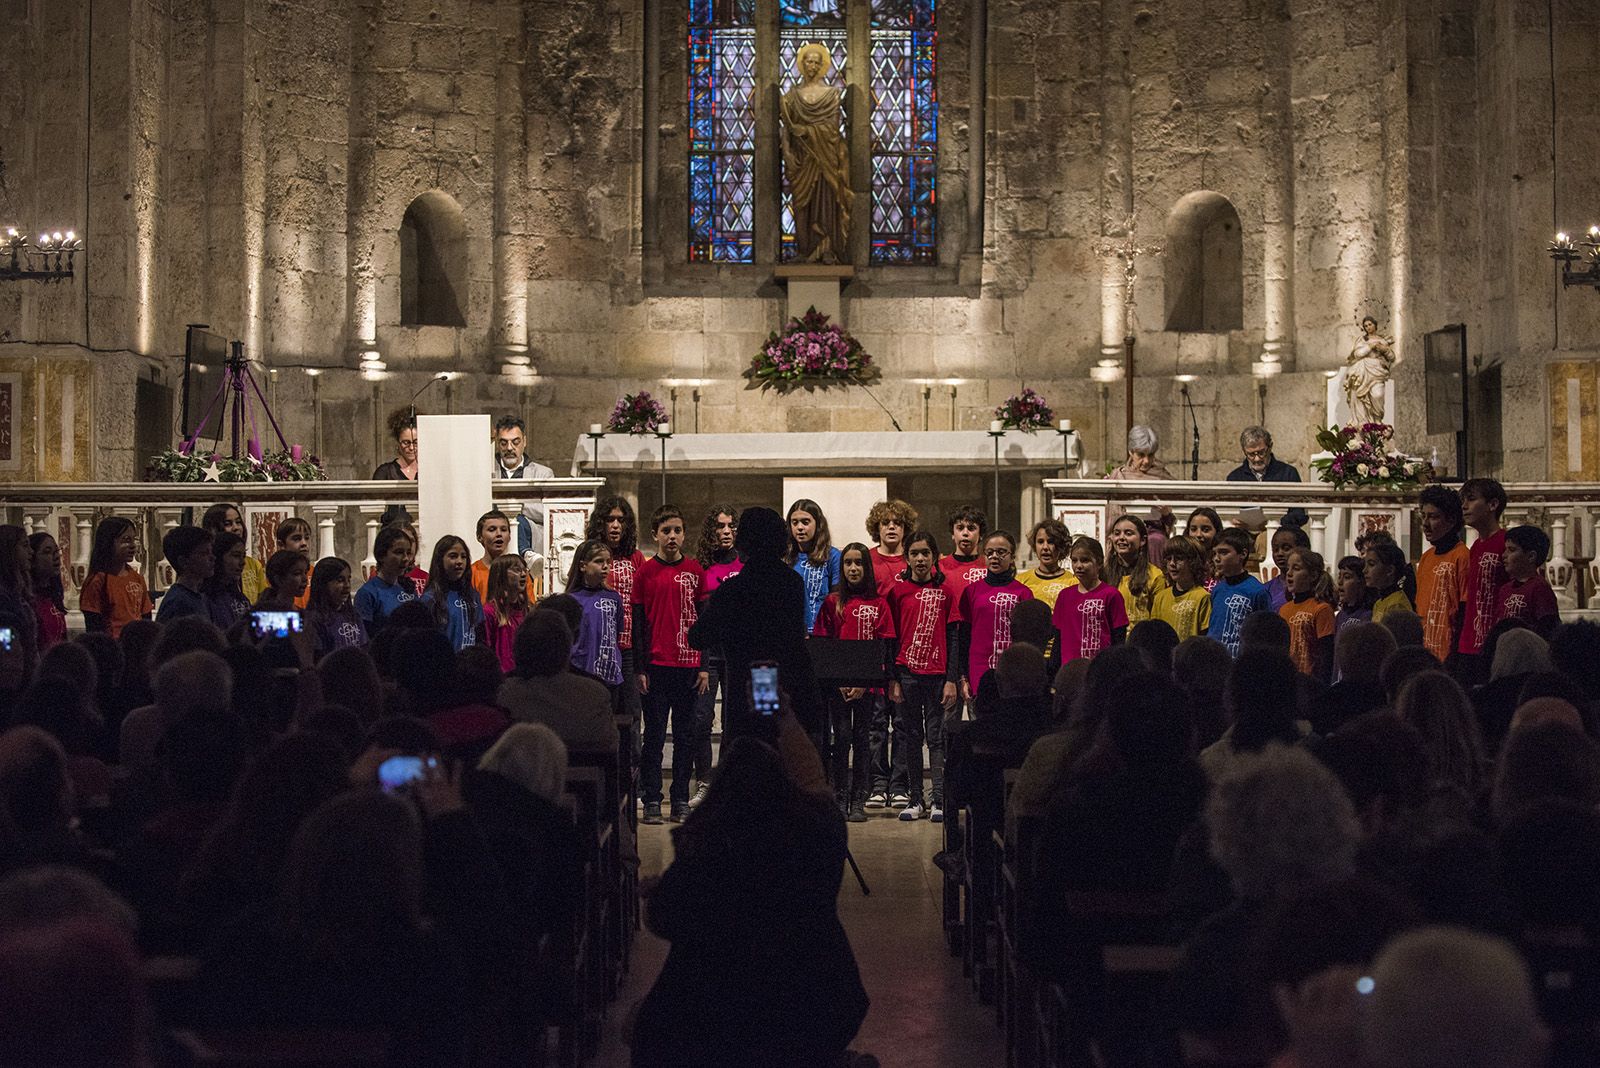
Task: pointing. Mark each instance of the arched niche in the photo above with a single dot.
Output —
(433, 262)
(1203, 265)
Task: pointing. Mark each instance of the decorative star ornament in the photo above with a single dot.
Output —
(213, 472)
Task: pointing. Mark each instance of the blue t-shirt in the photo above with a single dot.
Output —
(820, 580)
(376, 599)
(1232, 601)
(462, 614)
(337, 630)
(594, 647)
(180, 601)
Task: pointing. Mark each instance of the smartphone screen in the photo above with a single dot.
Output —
(268, 624)
(400, 771)
(6, 638)
(764, 688)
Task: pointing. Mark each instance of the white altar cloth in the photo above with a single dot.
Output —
(834, 453)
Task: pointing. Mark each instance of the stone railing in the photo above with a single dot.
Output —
(344, 516)
(1568, 512)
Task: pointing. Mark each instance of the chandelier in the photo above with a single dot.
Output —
(48, 260)
(1566, 251)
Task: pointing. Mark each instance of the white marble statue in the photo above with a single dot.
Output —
(1366, 375)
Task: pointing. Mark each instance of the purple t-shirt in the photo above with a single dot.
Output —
(594, 647)
(1277, 593)
(1086, 620)
(988, 609)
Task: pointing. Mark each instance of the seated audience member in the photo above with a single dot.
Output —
(1537, 710)
(514, 796)
(1383, 767)
(188, 550)
(1261, 705)
(350, 679)
(1550, 760)
(36, 803)
(1437, 707)
(1264, 630)
(1514, 652)
(51, 893)
(1575, 652)
(73, 662)
(1550, 863)
(1400, 666)
(108, 663)
(1158, 642)
(194, 682)
(430, 690)
(346, 944)
(58, 706)
(16, 666)
(72, 993)
(545, 689)
(1200, 666)
(1359, 652)
(1279, 825)
(242, 858)
(132, 689)
(760, 970)
(1030, 625)
(978, 752)
(1405, 626)
(1446, 996)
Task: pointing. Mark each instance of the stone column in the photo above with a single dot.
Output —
(767, 214)
(1277, 197)
(650, 147)
(510, 197)
(361, 330)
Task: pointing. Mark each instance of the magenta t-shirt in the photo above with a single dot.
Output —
(717, 574)
(988, 608)
(1529, 601)
(1086, 620)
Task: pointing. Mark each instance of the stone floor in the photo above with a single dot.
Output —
(924, 1013)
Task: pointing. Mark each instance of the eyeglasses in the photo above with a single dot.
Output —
(1257, 454)
(997, 552)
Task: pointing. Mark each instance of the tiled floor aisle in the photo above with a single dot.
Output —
(924, 1013)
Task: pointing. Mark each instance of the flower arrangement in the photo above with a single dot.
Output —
(636, 413)
(1025, 411)
(286, 465)
(1362, 456)
(811, 352)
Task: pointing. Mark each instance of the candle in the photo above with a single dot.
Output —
(1066, 426)
(295, 452)
(594, 428)
(994, 426)
(665, 429)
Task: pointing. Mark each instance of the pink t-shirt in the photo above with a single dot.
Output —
(717, 574)
(1087, 620)
(988, 609)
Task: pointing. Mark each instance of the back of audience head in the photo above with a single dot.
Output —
(478, 674)
(1147, 723)
(1158, 641)
(350, 678)
(59, 706)
(1068, 685)
(1382, 765)
(762, 534)
(1537, 710)
(425, 669)
(1517, 651)
(108, 660)
(35, 788)
(1360, 650)
(73, 662)
(1549, 857)
(1401, 665)
(1553, 685)
(1264, 630)
(1200, 665)
(52, 893)
(1438, 709)
(404, 733)
(1261, 699)
(543, 645)
(1575, 652)
(1020, 672)
(201, 755)
(72, 993)
(1444, 996)
(1280, 823)
(1405, 626)
(197, 681)
(566, 606)
(1030, 623)
(184, 635)
(1549, 760)
(338, 725)
(532, 756)
(138, 641)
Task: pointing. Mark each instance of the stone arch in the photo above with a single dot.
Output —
(433, 262)
(1203, 265)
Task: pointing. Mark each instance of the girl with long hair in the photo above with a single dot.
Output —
(855, 612)
(1309, 613)
(114, 593)
(224, 590)
(614, 524)
(924, 688)
(456, 608)
(506, 607)
(49, 604)
(811, 553)
(1129, 569)
(1090, 617)
(1386, 571)
(333, 620)
(226, 518)
(596, 648)
(1203, 527)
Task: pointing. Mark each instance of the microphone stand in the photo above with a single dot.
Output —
(442, 376)
(885, 408)
(1194, 449)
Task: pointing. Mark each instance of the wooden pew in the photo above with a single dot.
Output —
(276, 1049)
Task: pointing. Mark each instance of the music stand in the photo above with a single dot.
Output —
(843, 662)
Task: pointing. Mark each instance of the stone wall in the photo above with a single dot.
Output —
(247, 163)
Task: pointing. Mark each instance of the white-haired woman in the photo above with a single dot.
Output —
(1142, 461)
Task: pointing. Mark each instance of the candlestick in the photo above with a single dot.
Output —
(596, 429)
(996, 427)
(1066, 426)
(664, 429)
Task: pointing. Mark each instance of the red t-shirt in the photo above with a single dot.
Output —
(624, 572)
(1086, 620)
(1485, 575)
(669, 593)
(921, 615)
(52, 622)
(988, 609)
(959, 574)
(886, 569)
(1529, 601)
(862, 619)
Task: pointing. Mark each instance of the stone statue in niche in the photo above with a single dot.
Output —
(1366, 374)
(816, 161)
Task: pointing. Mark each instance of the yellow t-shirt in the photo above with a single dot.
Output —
(1047, 589)
(254, 579)
(1188, 613)
(1142, 608)
(1394, 602)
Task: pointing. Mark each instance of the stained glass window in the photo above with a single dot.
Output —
(722, 130)
(905, 130)
(898, 85)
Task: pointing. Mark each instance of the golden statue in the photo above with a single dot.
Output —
(1366, 376)
(816, 161)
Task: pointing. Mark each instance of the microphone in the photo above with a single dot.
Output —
(442, 376)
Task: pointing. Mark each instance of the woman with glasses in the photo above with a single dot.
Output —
(403, 428)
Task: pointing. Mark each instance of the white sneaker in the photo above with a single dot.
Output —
(699, 796)
(911, 812)
(900, 801)
(936, 814)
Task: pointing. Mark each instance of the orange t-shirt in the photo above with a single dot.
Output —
(480, 582)
(1441, 591)
(118, 599)
(1309, 622)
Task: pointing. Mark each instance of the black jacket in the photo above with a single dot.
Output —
(1277, 471)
